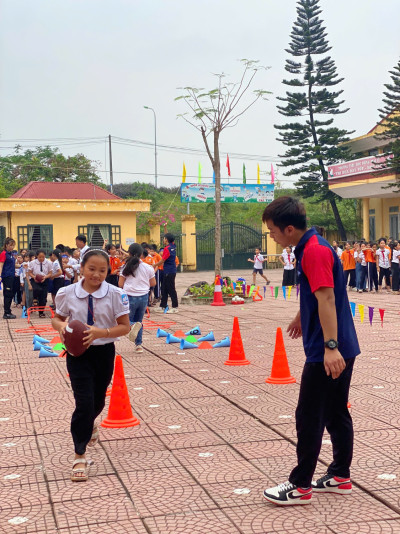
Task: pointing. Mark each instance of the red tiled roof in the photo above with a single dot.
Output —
(64, 190)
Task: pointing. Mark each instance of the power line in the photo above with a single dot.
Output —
(87, 141)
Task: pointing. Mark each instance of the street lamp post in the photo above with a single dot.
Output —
(155, 145)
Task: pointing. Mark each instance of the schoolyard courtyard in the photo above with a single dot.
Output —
(211, 437)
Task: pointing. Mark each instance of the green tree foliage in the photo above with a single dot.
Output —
(45, 164)
(390, 115)
(313, 141)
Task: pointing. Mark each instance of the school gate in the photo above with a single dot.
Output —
(238, 242)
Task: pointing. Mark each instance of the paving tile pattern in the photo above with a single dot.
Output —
(211, 437)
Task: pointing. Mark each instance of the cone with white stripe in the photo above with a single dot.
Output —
(218, 300)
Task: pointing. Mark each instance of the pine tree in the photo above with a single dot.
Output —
(390, 115)
(313, 142)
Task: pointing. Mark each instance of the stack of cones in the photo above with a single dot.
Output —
(218, 300)
(236, 351)
(280, 373)
(119, 412)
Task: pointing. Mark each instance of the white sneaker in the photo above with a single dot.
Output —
(159, 309)
(172, 310)
(134, 331)
(287, 494)
(138, 348)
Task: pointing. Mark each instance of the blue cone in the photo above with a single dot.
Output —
(208, 337)
(161, 333)
(165, 309)
(24, 313)
(186, 345)
(172, 339)
(47, 353)
(226, 342)
(37, 345)
(194, 331)
(40, 339)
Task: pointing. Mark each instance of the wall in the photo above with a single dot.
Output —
(65, 225)
(381, 207)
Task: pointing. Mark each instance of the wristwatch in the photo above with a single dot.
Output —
(331, 344)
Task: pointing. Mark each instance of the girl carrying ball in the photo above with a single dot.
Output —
(104, 308)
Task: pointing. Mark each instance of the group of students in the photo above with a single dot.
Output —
(366, 265)
(29, 276)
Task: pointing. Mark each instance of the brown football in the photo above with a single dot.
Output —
(39, 278)
(73, 338)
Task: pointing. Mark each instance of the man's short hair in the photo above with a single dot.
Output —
(169, 237)
(82, 238)
(286, 211)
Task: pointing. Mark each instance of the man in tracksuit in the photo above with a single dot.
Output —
(169, 268)
(330, 344)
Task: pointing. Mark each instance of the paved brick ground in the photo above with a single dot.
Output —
(211, 437)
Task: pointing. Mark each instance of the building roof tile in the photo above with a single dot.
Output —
(64, 190)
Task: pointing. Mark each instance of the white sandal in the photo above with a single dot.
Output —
(80, 474)
(95, 437)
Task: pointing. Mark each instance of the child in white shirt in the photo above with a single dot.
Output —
(258, 265)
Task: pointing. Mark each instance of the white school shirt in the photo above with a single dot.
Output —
(55, 267)
(395, 256)
(383, 258)
(288, 259)
(361, 255)
(109, 303)
(34, 267)
(258, 261)
(339, 252)
(72, 261)
(70, 271)
(82, 252)
(138, 285)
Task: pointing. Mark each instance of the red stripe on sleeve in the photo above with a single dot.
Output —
(317, 264)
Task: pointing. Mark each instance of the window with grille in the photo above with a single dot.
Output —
(2, 235)
(33, 237)
(97, 233)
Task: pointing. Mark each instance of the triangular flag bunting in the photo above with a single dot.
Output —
(276, 291)
(381, 313)
(258, 173)
(227, 165)
(265, 289)
(289, 291)
(272, 174)
(353, 308)
(244, 173)
(370, 314)
(284, 292)
(297, 291)
(184, 173)
(199, 173)
(361, 311)
(272, 291)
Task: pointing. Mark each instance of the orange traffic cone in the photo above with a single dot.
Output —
(119, 412)
(63, 354)
(205, 345)
(55, 340)
(280, 373)
(236, 351)
(179, 333)
(108, 392)
(218, 300)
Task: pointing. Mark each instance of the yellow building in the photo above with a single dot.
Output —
(44, 214)
(359, 179)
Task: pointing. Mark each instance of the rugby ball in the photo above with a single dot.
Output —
(73, 338)
(39, 278)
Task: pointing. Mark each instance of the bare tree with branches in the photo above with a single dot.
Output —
(213, 111)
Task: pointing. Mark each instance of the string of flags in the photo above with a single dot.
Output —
(361, 311)
(184, 172)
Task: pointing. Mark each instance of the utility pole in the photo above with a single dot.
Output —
(111, 170)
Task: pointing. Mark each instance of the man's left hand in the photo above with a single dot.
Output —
(334, 363)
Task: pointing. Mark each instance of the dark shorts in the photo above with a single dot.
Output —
(259, 271)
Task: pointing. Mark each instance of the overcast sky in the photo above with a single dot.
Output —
(86, 68)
